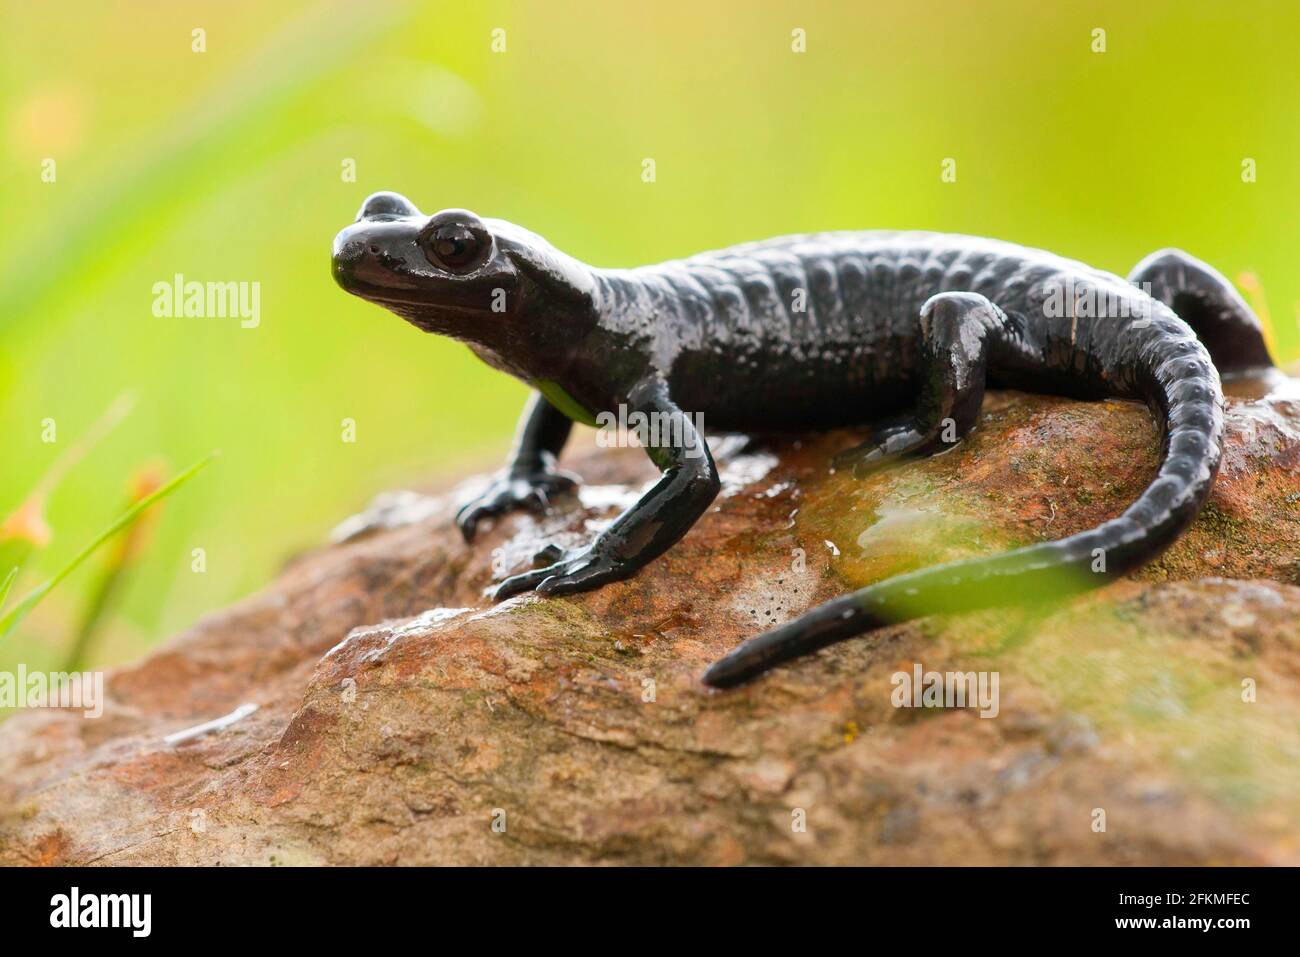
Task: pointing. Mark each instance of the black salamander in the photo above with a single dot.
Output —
(902, 330)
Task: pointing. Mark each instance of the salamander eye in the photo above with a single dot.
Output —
(455, 240)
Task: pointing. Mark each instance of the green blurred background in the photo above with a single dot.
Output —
(227, 165)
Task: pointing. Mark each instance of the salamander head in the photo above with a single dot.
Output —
(453, 273)
(397, 257)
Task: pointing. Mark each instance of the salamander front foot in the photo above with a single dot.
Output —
(570, 571)
(510, 491)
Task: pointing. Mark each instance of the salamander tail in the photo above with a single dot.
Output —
(1173, 371)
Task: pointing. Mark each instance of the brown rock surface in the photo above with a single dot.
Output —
(401, 715)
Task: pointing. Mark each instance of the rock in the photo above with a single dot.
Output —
(402, 718)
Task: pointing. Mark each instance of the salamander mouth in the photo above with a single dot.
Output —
(392, 297)
(415, 304)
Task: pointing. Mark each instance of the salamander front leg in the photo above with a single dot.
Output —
(531, 478)
(958, 331)
(646, 530)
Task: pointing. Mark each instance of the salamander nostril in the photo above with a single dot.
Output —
(374, 250)
(347, 250)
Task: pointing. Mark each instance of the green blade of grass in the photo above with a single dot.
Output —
(20, 611)
(6, 585)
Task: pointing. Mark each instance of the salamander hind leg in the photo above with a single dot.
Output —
(958, 331)
(1207, 301)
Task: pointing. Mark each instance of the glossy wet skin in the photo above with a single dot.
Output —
(901, 330)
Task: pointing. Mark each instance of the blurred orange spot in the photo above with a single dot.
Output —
(1254, 290)
(28, 523)
(145, 481)
(49, 122)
